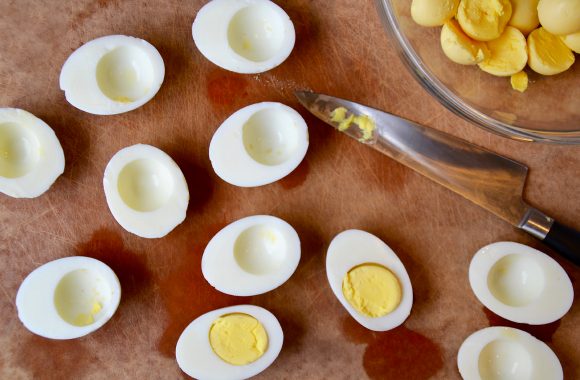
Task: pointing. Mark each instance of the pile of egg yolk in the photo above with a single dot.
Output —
(372, 290)
(238, 338)
(492, 34)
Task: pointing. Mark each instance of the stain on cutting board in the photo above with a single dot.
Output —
(542, 332)
(400, 353)
(186, 295)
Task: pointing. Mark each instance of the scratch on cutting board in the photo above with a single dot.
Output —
(11, 227)
(5, 292)
(64, 226)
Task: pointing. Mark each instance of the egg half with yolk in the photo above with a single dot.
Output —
(369, 280)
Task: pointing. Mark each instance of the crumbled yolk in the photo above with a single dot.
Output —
(372, 290)
(85, 319)
(238, 339)
(365, 123)
(519, 81)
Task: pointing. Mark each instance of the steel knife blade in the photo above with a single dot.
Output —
(488, 179)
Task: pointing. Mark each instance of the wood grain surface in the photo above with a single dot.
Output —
(342, 50)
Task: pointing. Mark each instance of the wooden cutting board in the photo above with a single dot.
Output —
(342, 50)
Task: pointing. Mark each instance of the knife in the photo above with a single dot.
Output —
(492, 181)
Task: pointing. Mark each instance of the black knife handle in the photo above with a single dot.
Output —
(565, 240)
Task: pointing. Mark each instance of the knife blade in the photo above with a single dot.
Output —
(488, 179)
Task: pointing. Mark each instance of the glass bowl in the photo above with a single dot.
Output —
(549, 111)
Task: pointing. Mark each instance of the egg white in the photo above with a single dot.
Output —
(220, 24)
(355, 247)
(507, 353)
(196, 357)
(35, 300)
(259, 124)
(553, 295)
(97, 75)
(153, 220)
(221, 267)
(32, 157)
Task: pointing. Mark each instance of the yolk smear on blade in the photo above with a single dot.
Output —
(372, 290)
(365, 123)
(238, 338)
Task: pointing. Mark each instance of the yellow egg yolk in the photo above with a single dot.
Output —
(484, 20)
(238, 339)
(548, 53)
(365, 123)
(508, 54)
(372, 290)
(519, 81)
(459, 47)
(85, 319)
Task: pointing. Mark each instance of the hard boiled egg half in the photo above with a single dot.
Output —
(520, 284)
(112, 74)
(31, 157)
(244, 36)
(146, 191)
(369, 280)
(251, 256)
(68, 298)
(508, 354)
(259, 144)
(232, 343)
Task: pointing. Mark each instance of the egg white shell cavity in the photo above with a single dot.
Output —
(31, 157)
(507, 353)
(49, 296)
(259, 144)
(196, 357)
(520, 284)
(355, 247)
(112, 74)
(244, 36)
(251, 256)
(146, 191)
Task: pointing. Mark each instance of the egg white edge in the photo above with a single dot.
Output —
(197, 334)
(535, 313)
(232, 163)
(60, 329)
(470, 349)
(383, 255)
(211, 38)
(50, 164)
(80, 68)
(146, 224)
(221, 256)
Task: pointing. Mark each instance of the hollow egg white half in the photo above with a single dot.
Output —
(112, 74)
(196, 357)
(31, 157)
(508, 354)
(146, 191)
(259, 144)
(353, 248)
(244, 36)
(520, 284)
(68, 298)
(251, 256)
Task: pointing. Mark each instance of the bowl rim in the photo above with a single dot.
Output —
(453, 102)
